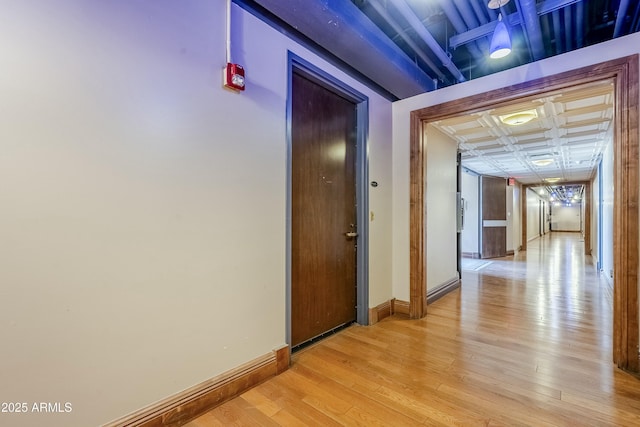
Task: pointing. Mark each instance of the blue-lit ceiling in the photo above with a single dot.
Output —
(406, 47)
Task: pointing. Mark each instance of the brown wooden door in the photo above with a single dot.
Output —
(323, 204)
(494, 217)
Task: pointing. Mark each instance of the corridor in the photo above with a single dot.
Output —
(526, 340)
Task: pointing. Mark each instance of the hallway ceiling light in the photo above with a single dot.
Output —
(519, 118)
(501, 41)
(542, 162)
(552, 179)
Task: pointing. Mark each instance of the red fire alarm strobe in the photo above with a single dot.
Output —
(234, 77)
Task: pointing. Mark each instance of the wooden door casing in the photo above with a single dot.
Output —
(625, 74)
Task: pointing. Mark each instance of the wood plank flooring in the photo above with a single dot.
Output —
(526, 340)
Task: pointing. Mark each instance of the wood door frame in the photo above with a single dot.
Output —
(624, 73)
(299, 65)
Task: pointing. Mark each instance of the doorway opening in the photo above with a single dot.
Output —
(624, 73)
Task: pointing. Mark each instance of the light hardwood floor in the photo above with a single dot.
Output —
(526, 340)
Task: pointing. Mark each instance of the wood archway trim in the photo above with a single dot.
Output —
(587, 209)
(624, 73)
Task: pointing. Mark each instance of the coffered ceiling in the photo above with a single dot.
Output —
(564, 143)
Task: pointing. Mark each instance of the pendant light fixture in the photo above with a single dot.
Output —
(501, 40)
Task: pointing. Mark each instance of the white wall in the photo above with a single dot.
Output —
(595, 217)
(566, 218)
(546, 216)
(514, 232)
(441, 178)
(516, 219)
(617, 48)
(509, 218)
(533, 215)
(470, 193)
(607, 213)
(143, 221)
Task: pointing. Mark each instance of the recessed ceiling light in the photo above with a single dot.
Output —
(542, 162)
(552, 179)
(519, 118)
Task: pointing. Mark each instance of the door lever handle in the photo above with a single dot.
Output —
(351, 234)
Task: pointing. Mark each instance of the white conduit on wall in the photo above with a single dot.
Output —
(228, 31)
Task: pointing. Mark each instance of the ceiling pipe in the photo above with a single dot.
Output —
(547, 6)
(568, 33)
(471, 21)
(421, 30)
(480, 11)
(343, 35)
(557, 32)
(458, 24)
(545, 22)
(382, 11)
(482, 18)
(580, 25)
(636, 21)
(622, 14)
(467, 13)
(532, 27)
(474, 17)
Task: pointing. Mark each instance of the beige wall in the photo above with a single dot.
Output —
(567, 218)
(143, 216)
(607, 213)
(440, 192)
(510, 218)
(533, 215)
(470, 193)
(514, 217)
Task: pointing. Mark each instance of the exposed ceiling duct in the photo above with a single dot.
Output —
(532, 28)
(426, 36)
(382, 11)
(622, 13)
(342, 29)
(456, 20)
(407, 47)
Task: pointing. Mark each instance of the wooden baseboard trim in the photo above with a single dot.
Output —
(509, 253)
(183, 407)
(386, 309)
(443, 289)
(380, 311)
(400, 307)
